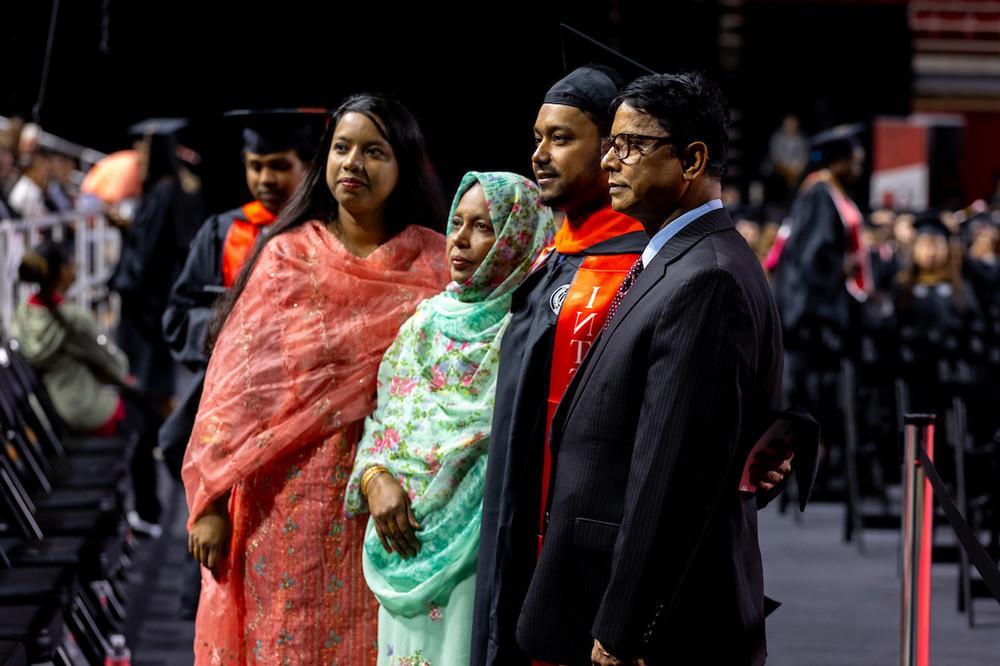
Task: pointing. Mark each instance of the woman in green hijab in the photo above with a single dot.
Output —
(420, 465)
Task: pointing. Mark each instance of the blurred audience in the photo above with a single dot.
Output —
(27, 197)
(787, 157)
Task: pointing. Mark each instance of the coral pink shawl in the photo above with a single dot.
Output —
(296, 361)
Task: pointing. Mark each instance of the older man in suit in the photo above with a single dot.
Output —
(650, 551)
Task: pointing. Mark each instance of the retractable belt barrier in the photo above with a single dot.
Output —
(920, 481)
(966, 536)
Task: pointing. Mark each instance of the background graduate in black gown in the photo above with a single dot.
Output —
(935, 309)
(822, 276)
(153, 250)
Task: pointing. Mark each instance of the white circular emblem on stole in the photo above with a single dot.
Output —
(557, 298)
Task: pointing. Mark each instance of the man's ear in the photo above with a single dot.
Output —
(695, 160)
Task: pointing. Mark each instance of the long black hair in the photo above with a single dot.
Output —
(161, 160)
(418, 197)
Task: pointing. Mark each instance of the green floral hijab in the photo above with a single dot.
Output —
(437, 384)
(517, 217)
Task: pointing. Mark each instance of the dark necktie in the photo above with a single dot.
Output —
(630, 278)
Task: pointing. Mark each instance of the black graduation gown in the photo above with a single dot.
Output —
(185, 326)
(932, 325)
(809, 279)
(884, 269)
(985, 281)
(199, 285)
(511, 496)
(934, 311)
(153, 251)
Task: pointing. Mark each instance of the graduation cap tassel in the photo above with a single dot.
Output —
(37, 109)
(604, 47)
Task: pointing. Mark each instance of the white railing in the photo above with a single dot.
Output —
(87, 156)
(96, 245)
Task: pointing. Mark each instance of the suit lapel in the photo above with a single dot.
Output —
(676, 247)
(649, 277)
(709, 223)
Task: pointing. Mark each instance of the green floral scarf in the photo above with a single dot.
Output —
(437, 383)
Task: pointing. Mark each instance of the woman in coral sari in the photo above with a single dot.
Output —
(290, 382)
(420, 465)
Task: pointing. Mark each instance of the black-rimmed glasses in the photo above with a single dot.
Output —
(624, 143)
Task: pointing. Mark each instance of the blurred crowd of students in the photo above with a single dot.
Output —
(935, 268)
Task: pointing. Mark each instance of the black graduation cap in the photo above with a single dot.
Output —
(973, 223)
(929, 222)
(983, 218)
(158, 127)
(165, 137)
(277, 130)
(835, 143)
(592, 86)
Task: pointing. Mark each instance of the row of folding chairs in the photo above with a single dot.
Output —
(958, 379)
(64, 543)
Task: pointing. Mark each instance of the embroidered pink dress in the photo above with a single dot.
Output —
(287, 390)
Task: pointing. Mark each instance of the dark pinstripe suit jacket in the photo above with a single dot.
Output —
(650, 548)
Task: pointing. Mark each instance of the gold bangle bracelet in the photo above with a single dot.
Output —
(370, 474)
(372, 471)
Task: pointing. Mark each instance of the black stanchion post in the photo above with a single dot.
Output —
(959, 425)
(855, 517)
(917, 525)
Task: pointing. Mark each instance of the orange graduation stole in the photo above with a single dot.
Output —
(583, 306)
(240, 239)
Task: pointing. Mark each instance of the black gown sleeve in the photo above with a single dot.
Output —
(189, 307)
(139, 261)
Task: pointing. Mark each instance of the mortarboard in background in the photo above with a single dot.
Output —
(167, 135)
(929, 223)
(158, 127)
(972, 225)
(267, 131)
(835, 143)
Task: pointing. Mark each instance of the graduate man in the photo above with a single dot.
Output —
(277, 149)
(556, 315)
(650, 548)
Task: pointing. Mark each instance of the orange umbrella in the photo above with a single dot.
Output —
(114, 178)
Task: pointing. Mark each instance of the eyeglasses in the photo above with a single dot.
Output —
(623, 144)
